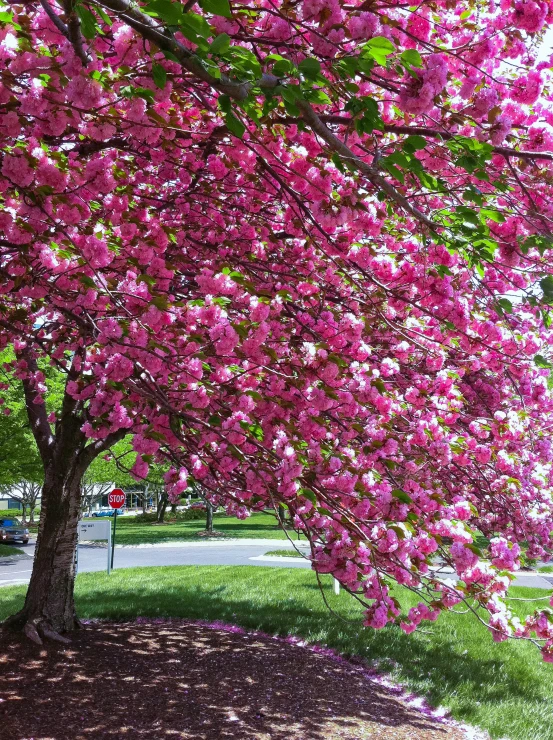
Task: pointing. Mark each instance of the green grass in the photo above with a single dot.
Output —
(132, 532)
(504, 688)
(7, 550)
(285, 553)
(546, 569)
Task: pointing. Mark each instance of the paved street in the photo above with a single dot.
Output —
(94, 558)
(14, 571)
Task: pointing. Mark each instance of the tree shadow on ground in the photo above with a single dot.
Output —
(286, 602)
(294, 616)
(182, 679)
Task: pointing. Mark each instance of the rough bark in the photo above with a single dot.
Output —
(209, 517)
(162, 506)
(49, 608)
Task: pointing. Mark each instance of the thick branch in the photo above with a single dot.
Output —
(91, 451)
(148, 29)
(391, 128)
(36, 412)
(56, 20)
(74, 31)
(338, 146)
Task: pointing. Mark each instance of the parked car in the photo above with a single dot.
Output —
(11, 530)
(107, 512)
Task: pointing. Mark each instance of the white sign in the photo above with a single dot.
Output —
(95, 531)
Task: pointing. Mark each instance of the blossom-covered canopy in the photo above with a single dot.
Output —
(300, 249)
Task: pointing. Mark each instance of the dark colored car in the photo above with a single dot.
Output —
(11, 530)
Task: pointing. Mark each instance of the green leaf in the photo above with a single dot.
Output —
(318, 96)
(415, 142)
(546, 285)
(217, 7)
(220, 44)
(378, 48)
(88, 22)
(282, 68)
(195, 28)
(398, 530)
(160, 75)
(6, 16)
(234, 125)
(170, 13)
(411, 57)
(542, 361)
(310, 67)
(506, 305)
(104, 16)
(402, 496)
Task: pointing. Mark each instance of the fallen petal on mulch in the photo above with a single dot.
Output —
(179, 679)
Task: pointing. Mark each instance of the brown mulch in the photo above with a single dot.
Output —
(188, 680)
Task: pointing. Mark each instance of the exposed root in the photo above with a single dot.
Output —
(51, 634)
(30, 631)
(37, 630)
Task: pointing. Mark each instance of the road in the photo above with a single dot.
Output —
(15, 571)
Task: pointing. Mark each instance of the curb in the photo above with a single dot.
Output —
(18, 556)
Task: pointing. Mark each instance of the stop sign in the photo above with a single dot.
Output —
(116, 498)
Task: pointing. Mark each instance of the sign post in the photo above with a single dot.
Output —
(96, 531)
(116, 500)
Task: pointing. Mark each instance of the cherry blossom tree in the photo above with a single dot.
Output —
(298, 249)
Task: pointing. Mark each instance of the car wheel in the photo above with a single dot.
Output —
(25, 542)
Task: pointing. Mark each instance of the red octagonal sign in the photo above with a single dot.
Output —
(116, 498)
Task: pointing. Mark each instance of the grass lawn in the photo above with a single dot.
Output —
(504, 688)
(132, 532)
(285, 553)
(7, 550)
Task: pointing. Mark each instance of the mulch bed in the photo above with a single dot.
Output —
(178, 679)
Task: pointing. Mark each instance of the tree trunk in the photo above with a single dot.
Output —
(281, 516)
(209, 517)
(145, 500)
(49, 609)
(162, 506)
(24, 514)
(32, 515)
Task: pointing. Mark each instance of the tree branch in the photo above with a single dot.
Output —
(96, 448)
(74, 31)
(148, 29)
(36, 412)
(56, 20)
(338, 146)
(391, 128)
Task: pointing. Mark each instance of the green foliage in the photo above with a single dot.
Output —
(216, 7)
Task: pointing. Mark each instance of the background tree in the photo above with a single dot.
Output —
(299, 251)
(27, 493)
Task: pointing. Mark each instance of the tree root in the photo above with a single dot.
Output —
(36, 630)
